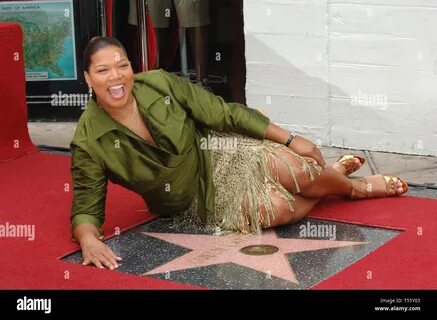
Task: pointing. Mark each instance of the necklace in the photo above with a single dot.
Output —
(131, 115)
(136, 125)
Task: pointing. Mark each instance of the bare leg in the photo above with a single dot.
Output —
(303, 207)
(329, 183)
(375, 186)
(340, 185)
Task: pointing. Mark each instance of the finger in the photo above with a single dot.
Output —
(311, 160)
(86, 262)
(97, 263)
(117, 258)
(323, 162)
(319, 160)
(106, 262)
(111, 258)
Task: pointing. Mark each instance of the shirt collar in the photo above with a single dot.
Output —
(101, 121)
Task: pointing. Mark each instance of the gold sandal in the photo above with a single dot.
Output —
(390, 187)
(348, 162)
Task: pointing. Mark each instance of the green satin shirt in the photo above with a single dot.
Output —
(178, 114)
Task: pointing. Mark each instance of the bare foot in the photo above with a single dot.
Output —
(374, 188)
(340, 168)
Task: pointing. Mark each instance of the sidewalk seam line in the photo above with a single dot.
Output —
(372, 164)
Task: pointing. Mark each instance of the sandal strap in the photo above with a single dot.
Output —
(348, 162)
(390, 185)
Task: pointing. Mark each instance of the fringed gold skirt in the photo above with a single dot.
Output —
(242, 178)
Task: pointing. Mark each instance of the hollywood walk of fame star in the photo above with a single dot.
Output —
(209, 250)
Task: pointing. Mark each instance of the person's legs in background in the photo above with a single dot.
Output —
(160, 12)
(194, 16)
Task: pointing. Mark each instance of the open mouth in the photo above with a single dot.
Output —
(116, 92)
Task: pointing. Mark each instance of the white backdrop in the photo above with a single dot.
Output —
(350, 73)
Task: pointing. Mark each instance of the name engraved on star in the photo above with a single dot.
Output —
(207, 255)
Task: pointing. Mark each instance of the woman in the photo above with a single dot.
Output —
(162, 137)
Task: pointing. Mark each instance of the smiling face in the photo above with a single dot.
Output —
(111, 77)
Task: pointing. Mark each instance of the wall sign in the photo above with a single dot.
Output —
(49, 44)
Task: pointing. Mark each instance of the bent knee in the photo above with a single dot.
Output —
(284, 215)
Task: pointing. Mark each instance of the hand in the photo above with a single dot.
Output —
(306, 148)
(96, 252)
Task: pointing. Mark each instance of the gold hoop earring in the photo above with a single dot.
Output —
(90, 91)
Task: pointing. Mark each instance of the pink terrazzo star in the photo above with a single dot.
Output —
(209, 250)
